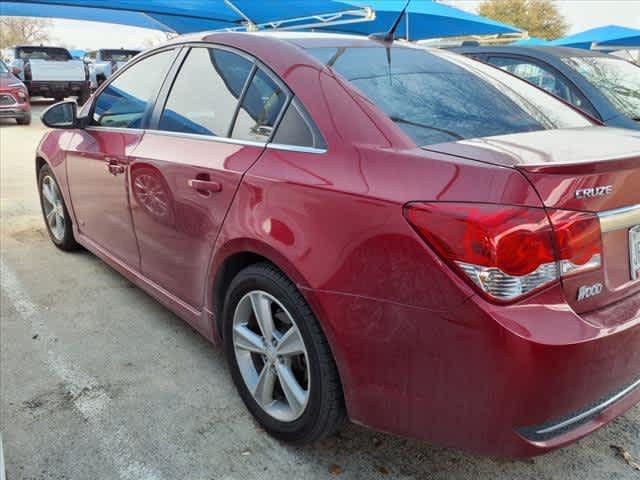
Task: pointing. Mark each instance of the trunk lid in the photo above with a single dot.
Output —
(593, 169)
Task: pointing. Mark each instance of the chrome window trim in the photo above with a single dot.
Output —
(619, 219)
(233, 141)
(210, 138)
(98, 128)
(592, 411)
(296, 148)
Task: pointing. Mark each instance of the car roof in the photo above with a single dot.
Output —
(539, 51)
(301, 39)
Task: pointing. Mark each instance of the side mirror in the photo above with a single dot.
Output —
(16, 71)
(61, 115)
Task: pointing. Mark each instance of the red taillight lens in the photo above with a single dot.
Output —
(507, 251)
(578, 240)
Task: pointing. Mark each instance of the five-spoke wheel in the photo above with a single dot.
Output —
(279, 357)
(271, 355)
(55, 212)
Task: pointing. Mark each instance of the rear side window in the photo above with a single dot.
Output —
(545, 78)
(260, 109)
(43, 53)
(437, 96)
(126, 102)
(297, 128)
(205, 93)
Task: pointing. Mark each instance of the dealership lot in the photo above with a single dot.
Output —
(100, 381)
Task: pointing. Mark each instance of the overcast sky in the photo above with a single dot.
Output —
(581, 15)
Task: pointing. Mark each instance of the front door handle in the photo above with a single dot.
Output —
(114, 167)
(205, 187)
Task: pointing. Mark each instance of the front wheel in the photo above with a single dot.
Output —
(54, 211)
(279, 358)
(26, 120)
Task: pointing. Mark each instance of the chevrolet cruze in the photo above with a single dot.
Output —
(404, 237)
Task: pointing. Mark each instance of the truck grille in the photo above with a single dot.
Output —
(6, 100)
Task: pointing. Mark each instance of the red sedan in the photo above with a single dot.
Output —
(14, 97)
(407, 238)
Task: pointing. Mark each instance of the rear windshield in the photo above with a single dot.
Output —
(437, 96)
(118, 55)
(617, 79)
(3, 67)
(43, 53)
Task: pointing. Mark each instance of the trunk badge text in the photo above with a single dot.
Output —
(589, 291)
(593, 192)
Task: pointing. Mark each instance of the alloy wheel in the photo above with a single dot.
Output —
(53, 207)
(271, 356)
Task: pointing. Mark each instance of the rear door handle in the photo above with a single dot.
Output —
(205, 187)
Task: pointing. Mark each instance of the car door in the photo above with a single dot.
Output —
(219, 114)
(99, 156)
(544, 76)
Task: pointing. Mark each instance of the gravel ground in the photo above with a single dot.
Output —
(98, 381)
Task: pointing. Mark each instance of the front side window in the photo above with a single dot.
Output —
(544, 78)
(205, 94)
(127, 101)
(437, 96)
(260, 109)
(617, 79)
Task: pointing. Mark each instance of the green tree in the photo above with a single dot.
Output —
(21, 30)
(541, 18)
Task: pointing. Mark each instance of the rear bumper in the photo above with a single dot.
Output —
(49, 89)
(484, 378)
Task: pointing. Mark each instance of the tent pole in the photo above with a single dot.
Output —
(251, 26)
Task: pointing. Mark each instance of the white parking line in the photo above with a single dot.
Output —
(89, 397)
(2, 472)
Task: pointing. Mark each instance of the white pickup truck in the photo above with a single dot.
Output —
(50, 72)
(104, 62)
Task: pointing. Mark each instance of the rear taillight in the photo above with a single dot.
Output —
(505, 251)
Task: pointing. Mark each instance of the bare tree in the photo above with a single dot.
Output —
(17, 30)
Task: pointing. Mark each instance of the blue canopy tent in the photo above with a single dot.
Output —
(77, 53)
(531, 42)
(425, 19)
(611, 37)
(185, 16)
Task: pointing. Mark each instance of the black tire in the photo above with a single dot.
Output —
(67, 242)
(325, 411)
(26, 120)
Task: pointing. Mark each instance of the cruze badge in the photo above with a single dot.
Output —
(589, 291)
(594, 192)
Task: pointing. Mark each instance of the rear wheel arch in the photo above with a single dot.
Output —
(40, 162)
(240, 254)
(235, 257)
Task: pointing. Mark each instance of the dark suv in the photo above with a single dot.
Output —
(604, 86)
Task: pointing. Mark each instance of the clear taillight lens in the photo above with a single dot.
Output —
(506, 251)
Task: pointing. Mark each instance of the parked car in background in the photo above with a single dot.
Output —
(604, 86)
(50, 72)
(409, 237)
(104, 62)
(14, 97)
